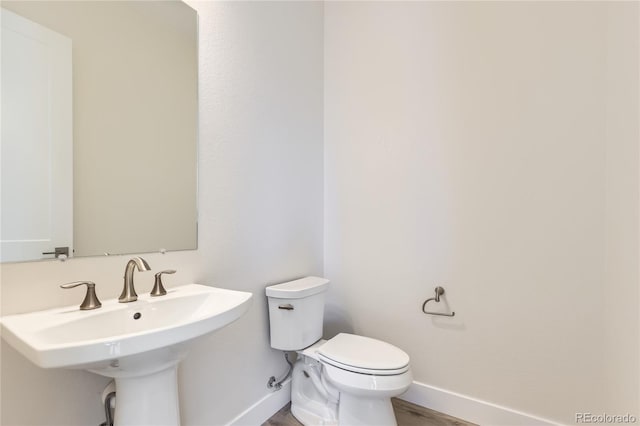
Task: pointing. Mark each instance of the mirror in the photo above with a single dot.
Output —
(99, 128)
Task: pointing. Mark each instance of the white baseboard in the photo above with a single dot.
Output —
(266, 407)
(470, 409)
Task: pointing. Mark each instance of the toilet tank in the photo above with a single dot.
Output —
(296, 311)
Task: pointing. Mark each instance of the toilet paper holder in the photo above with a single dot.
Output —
(439, 292)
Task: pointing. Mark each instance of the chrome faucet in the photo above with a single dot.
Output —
(129, 292)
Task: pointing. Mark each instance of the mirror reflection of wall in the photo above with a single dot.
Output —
(134, 126)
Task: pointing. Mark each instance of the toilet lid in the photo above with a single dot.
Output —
(364, 355)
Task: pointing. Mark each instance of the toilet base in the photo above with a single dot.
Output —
(309, 418)
(315, 404)
(311, 403)
(358, 411)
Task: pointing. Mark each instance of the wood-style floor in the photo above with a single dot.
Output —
(407, 414)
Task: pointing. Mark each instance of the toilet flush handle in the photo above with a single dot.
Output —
(288, 307)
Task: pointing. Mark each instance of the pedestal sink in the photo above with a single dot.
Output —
(139, 344)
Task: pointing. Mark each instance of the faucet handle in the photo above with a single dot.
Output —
(158, 288)
(90, 299)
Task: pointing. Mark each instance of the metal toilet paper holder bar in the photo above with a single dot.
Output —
(439, 292)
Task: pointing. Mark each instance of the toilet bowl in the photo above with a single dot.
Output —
(347, 380)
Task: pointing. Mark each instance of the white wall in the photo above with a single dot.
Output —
(622, 357)
(261, 145)
(470, 145)
(260, 219)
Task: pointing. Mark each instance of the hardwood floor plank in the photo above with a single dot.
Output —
(283, 418)
(407, 414)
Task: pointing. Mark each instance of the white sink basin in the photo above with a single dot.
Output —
(139, 343)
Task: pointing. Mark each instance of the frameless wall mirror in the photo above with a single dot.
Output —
(99, 128)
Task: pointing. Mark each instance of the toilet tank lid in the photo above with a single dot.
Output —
(298, 289)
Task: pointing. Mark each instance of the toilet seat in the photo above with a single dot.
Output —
(360, 370)
(363, 355)
(368, 385)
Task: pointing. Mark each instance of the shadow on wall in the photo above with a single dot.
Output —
(448, 323)
(336, 320)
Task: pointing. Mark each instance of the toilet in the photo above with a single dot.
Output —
(348, 380)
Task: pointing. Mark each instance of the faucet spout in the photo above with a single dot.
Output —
(129, 292)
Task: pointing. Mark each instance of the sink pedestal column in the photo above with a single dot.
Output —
(148, 400)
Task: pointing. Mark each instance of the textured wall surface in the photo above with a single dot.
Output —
(466, 145)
